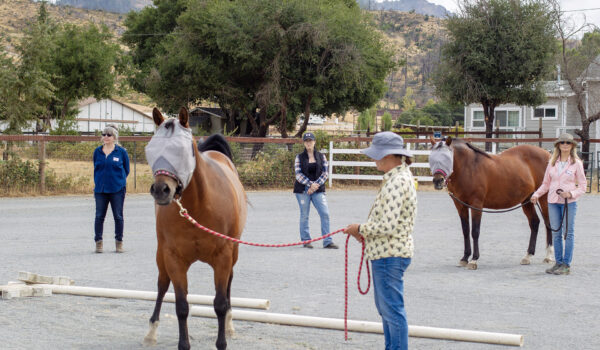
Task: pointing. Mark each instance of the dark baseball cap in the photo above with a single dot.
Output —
(308, 136)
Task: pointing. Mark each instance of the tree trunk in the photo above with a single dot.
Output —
(283, 120)
(488, 114)
(302, 128)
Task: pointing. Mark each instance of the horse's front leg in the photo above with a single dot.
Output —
(463, 212)
(476, 225)
(163, 286)
(178, 272)
(223, 274)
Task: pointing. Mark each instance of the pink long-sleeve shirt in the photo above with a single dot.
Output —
(571, 179)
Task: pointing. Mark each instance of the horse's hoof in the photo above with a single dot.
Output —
(462, 263)
(525, 261)
(472, 266)
(149, 341)
(548, 260)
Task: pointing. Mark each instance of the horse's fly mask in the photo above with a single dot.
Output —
(171, 149)
(441, 159)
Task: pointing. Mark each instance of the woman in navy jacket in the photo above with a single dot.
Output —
(111, 167)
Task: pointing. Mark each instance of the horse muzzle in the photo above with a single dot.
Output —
(162, 192)
(439, 180)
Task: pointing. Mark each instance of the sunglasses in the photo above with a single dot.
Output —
(104, 135)
(565, 142)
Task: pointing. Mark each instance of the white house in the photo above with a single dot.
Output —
(558, 114)
(95, 114)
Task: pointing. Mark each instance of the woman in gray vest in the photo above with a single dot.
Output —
(311, 173)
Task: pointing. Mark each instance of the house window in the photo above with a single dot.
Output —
(507, 119)
(544, 112)
(478, 119)
(504, 119)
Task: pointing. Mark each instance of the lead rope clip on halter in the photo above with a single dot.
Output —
(182, 211)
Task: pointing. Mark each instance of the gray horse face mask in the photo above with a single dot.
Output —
(171, 149)
(441, 159)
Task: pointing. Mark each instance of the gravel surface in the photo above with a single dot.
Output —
(54, 236)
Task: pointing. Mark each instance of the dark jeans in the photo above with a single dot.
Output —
(116, 201)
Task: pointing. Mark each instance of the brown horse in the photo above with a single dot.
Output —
(209, 188)
(481, 180)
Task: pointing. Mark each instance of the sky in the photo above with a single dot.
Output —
(592, 16)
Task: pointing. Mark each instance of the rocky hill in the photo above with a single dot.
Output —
(423, 7)
(416, 38)
(118, 6)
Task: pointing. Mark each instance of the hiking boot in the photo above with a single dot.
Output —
(331, 246)
(119, 246)
(562, 270)
(553, 268)
(98, 246)
(308, 245)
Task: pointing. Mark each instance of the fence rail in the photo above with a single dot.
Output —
(263, 162)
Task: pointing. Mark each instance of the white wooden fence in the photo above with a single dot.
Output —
(333, 163)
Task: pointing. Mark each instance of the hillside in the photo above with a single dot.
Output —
(16, 14)
(416, 38)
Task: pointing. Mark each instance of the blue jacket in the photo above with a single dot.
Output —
(110, 172)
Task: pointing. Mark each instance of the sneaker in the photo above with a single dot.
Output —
(308, 245)
(99, 247)
(119, 246)
(331, 246)
(553, 268)
(563, 270)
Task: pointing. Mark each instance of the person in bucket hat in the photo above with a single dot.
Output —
(388, 234)
(311, 170)
(565, 182)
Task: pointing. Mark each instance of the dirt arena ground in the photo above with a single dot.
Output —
(54, 236)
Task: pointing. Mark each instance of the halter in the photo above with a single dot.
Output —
(179, 188)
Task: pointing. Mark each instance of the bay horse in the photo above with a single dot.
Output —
(483, 180)
(207, 183)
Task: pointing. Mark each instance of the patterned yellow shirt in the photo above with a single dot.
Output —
(388, 230)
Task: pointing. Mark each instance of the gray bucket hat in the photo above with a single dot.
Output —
(385, 143)
(565, 138)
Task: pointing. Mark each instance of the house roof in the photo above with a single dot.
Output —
(143, 110)
(592, 72)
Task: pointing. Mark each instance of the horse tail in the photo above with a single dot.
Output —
(216, 142)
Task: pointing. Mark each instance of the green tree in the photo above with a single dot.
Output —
(577, 68)
(367, 120)
(83, 64)
(30, 92)
(386, 122)
(498, 52)
(303, 56)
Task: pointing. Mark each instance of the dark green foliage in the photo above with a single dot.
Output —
(498, 52)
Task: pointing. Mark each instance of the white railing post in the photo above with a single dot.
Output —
(330, 163)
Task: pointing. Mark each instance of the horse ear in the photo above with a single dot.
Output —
(448, 140)
(157, 116)
(184, 117)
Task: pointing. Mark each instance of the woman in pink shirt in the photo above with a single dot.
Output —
(564, 180)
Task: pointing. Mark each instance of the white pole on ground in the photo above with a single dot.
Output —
(145, 295)
(365, 326)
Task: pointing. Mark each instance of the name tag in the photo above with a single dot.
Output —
(115, 159)
(569, 172)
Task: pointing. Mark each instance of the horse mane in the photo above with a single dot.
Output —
(475, 149)
(216, 142)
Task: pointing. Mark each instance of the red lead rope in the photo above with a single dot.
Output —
(183, 212)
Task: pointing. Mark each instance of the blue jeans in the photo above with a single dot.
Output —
(555, 211)
(388, 286)
(116, 201)
(319, 200)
